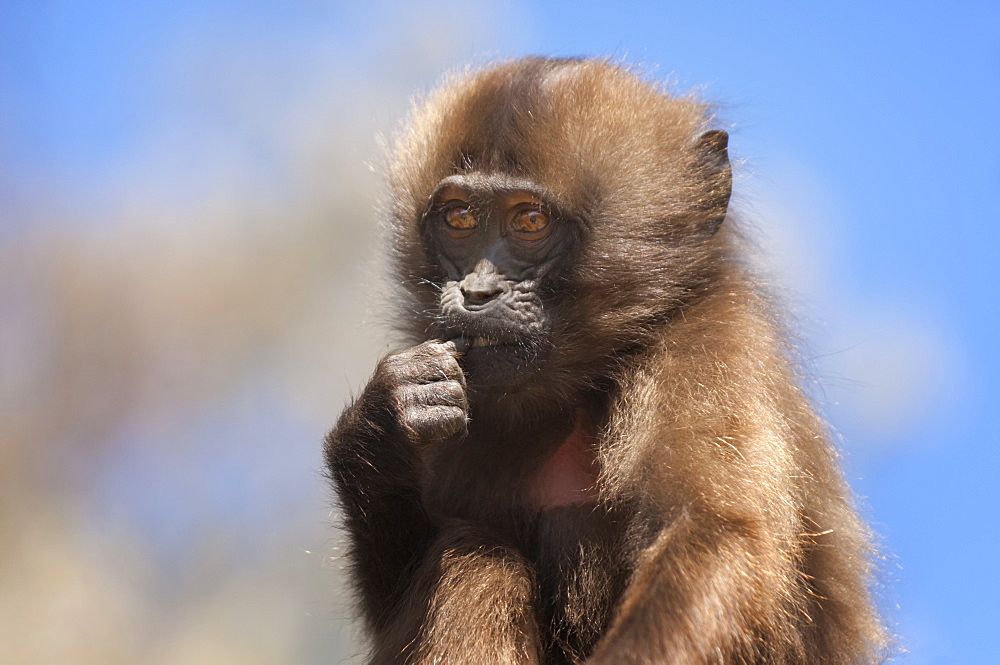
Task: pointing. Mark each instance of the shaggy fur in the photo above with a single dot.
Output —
(722, 530)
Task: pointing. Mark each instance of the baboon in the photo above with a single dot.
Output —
(595, 447)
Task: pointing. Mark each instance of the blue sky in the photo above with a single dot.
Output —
(871, 141)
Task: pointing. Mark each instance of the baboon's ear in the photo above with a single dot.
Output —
(713, 158)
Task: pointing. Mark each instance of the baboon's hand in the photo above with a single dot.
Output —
(427, 390)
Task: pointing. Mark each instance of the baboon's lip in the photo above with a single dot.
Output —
(486, 341)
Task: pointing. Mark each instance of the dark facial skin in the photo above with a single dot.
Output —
(499, 242)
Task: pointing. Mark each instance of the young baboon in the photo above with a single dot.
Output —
(595, 448)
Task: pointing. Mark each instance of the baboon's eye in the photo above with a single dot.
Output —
(531, 223)
(460, 218)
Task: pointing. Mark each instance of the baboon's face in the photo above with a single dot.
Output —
(500, 243)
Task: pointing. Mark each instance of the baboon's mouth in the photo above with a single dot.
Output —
(486, 341)
(464, 343)
(498, 361)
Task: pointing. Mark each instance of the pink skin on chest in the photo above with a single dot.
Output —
(569, 476)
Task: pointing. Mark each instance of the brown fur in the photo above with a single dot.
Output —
(723, 530)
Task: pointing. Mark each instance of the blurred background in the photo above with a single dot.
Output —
(187, 250)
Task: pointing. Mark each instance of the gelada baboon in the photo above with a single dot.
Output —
(595, 448)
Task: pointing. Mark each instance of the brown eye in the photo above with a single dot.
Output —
(460, 218)
(530, 222)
